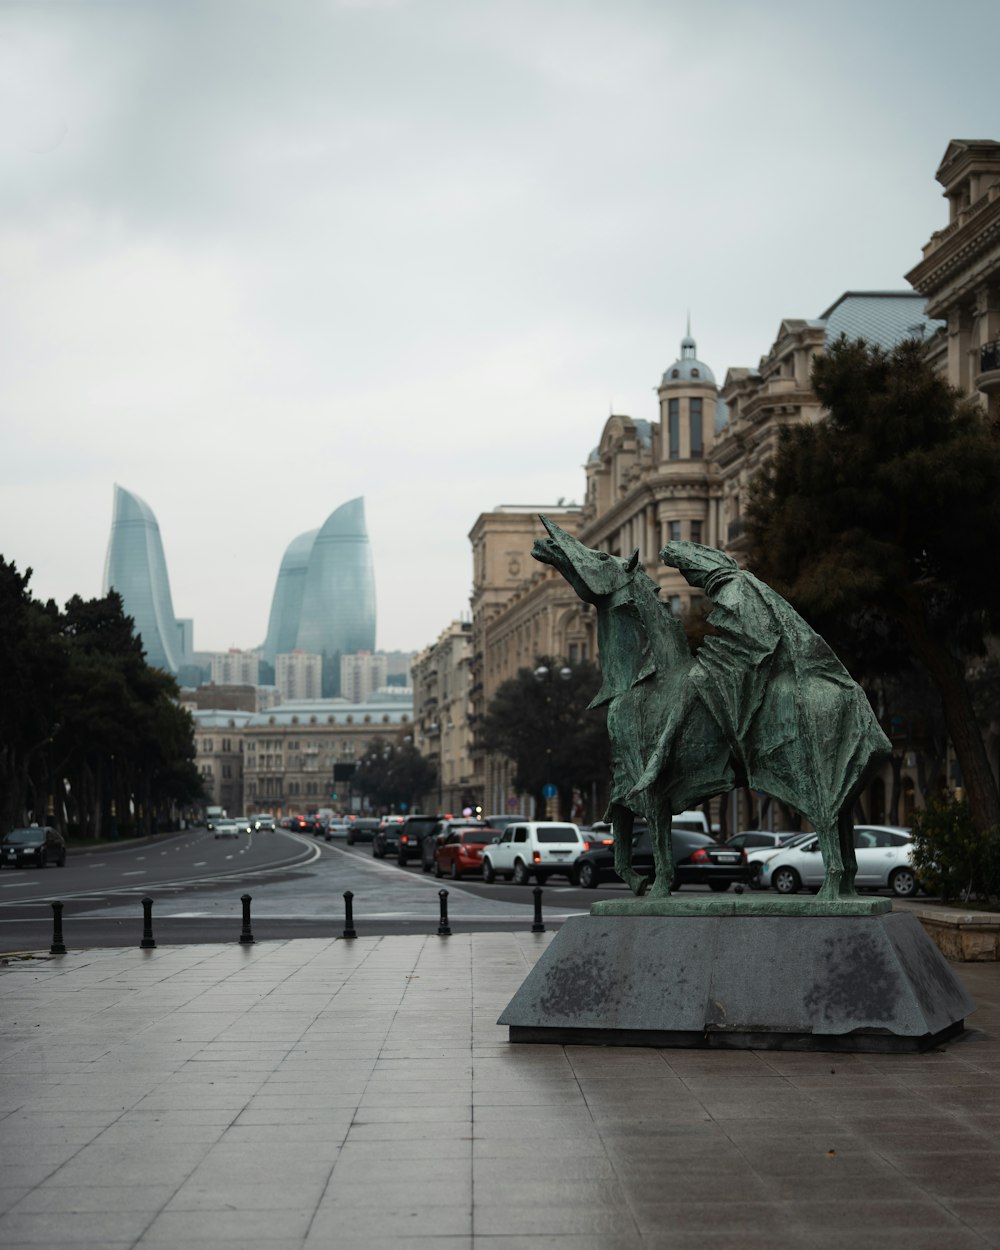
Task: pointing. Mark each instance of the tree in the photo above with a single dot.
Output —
(393, 775)
(540, 721)
(86, 725)
(881, 524)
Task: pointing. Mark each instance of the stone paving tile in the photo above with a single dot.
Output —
(303, 1072)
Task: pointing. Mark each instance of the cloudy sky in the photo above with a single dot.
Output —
(258, 257)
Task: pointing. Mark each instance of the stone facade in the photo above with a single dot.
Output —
(219, 753)
(290, 751)
(960, 271)
(689, 475)
(519, 611)
(441, 682)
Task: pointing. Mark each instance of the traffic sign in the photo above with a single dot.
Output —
(550, 791)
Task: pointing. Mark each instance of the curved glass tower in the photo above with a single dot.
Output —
(137, 569)
(324, 599)
(286, 606)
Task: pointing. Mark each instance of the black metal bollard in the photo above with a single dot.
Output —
(349, 931)
(148, 943)
(537, 926)
(57, 947)
(246, 937)
(444, 929)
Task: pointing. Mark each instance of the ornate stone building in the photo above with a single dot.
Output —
(520, 610)
(294, 754)
(441, 677)
(689, 475)
(960, 271)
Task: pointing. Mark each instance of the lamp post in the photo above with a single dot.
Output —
(545, 676)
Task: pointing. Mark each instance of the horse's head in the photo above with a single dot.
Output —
(594, 575)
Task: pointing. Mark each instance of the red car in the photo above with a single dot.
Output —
(462, 851)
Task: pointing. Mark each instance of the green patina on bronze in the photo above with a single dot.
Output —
(763, 703)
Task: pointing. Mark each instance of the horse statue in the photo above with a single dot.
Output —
(764, 702)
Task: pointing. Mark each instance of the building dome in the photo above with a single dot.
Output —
(688, 368)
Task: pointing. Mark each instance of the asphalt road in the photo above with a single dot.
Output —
(296, 884)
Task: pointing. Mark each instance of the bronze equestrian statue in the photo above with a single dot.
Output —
(764, 702)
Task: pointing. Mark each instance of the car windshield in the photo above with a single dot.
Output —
(477, 837)
(559, 833)
(25, 837)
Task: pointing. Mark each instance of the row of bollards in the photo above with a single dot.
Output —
(148, 942)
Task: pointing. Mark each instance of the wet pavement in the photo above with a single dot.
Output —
(312, 1092)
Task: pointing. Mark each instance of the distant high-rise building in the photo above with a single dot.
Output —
(362, 674)
(298, 676)
(235, 667)
(137, 569)
(324, 598)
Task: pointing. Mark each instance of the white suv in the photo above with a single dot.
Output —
(536, 848)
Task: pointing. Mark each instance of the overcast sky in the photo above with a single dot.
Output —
(258, 257)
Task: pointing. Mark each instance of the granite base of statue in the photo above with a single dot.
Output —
(741, 981)
(764, 703)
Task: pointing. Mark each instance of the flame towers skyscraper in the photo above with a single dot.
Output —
(136, 568)
(324, 598)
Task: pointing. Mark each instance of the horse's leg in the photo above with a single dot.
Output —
(622, 821)
(836, 842)
(660, 818)
(845, 832)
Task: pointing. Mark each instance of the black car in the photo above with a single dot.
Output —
(698, 860)
(361, 830)
(36, 847)
(386, 839)
(412, 833)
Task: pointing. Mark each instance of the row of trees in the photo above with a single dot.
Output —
(92, 738)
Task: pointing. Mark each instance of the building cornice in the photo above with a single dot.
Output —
(972, 234)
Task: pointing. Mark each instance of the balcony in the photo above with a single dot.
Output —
(988, 378)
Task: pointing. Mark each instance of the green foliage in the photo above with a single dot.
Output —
(952, 857)
(87, 727)
(543, 725)
(391, 775)
(880, 525)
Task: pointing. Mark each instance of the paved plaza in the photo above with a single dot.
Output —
(360, 1094)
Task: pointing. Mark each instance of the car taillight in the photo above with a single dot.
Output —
(700, 856)
(536, 857)
(743, 854)
(403, 837)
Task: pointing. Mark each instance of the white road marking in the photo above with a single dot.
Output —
(201, 863)
(140, 872)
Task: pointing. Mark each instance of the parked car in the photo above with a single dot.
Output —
(539, 848)
(386, 839)
(698, 860)
(442, 828)
(361, 830)
(761, 844)
(461, 851)
(500, 822)
(597, 835)
(262, 822)
(35, 847)
(885, 862)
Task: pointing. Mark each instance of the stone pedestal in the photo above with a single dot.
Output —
(813, 982)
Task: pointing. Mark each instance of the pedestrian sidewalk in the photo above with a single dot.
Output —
(312, 1093)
